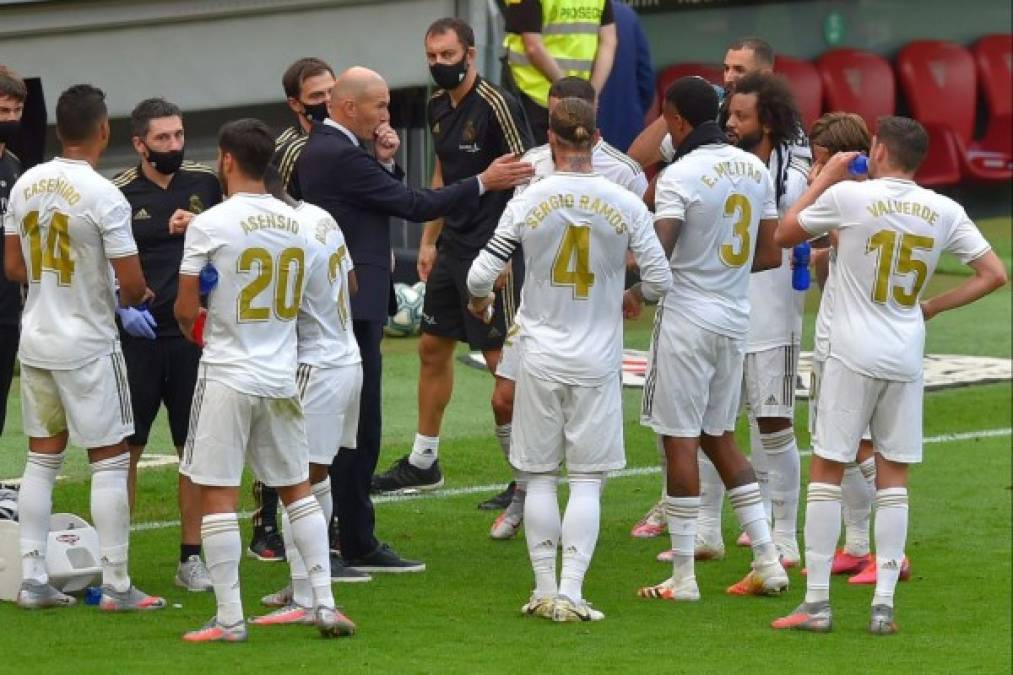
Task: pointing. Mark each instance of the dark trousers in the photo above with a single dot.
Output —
(9, 336)
(352, 469)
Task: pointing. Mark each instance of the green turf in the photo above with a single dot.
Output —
(461, 616)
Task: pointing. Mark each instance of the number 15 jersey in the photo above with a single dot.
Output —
(257, 244)
(70, 222)
(720, 193)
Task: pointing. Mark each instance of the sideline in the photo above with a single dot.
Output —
(622, 473)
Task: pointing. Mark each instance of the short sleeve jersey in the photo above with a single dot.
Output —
(487, 123)
(194, 188)
(721, 194)
(258, 245)
(525, 16)
(606, 161)
(325, 317)
(70, 222)
(575, 230)
(10, 291)
(891, 233)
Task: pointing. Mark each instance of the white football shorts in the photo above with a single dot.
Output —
(815, 380)
(849, 402)
(768, 382)
(509, 356)
(229, 428)
(330, 404)
(694, 379)
(92, 402)
(555, 421)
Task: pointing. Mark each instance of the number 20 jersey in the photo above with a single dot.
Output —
(70, 222)
(258, 245)
(891, 234)
(720, 193)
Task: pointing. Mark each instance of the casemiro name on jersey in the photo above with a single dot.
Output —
(594, 206)
(57, 186)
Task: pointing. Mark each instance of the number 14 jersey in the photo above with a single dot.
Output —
(257, 243)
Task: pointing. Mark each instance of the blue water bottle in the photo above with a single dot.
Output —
(859, 166)
(207, 279)
(800, 267)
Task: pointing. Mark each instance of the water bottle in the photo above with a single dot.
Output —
(859, 166)
(208, 279)
(92, 595)
(800, 267)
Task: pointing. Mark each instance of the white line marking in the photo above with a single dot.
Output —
(622, 473)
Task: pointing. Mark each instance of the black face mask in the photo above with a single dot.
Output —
(449, 75)
(8, 130)
(316, 112)
(166, 163)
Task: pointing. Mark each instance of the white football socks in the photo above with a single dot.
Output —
(219, 533)
(542, 531)
(891, 536)
(822, 528)
(302, 592)
(748, 504)
(579, 533)
(682, 514)
(424, 452)
(110, 510)
(784, 471)
(503, 432)
(322, 491)
(712, 493)
(309, 534)
(758, 458)
(858, 488)
(35, 506)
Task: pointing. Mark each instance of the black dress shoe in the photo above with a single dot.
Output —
(403, 476)
(500, 501)
(385, 560)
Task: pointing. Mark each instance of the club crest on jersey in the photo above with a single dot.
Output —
(196, 205)
(469, 138)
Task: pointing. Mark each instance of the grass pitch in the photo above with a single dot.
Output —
(462, 615)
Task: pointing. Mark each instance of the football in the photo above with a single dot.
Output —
(408, 318)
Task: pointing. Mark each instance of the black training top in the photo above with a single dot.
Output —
(10, 291)
(193, 188)
(287, 148)
(487, 123)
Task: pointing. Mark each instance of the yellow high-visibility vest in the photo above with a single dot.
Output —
(570, 34)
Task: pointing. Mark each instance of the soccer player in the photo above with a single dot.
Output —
(246, 405)
(67, 231)
(890, 234)
(621, 170)
(575, 228)
(307, 84)
(715, 216)
(12, 104)
(473, 122)
(164, 193)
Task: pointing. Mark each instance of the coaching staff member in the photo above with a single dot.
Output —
(165, 193)
(362, 192)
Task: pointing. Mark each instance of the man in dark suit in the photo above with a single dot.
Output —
(362, 192)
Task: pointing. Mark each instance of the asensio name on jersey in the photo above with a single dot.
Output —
(575, 229)
(258, 245)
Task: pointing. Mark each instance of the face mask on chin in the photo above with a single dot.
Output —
(449, 75)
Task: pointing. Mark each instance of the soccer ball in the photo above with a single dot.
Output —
(408, 318)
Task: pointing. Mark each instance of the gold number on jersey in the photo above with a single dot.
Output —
(284, 309)
(55, 255)
(334, 267)
(575, 250)
(884, 244)
(729, 254)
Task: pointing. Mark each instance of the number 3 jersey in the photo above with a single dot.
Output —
(891, 234)
(258, 245)
(720, 193)
(70, 222)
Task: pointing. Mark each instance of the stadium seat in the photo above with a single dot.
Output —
(805, 84)
(707, 71)
(858, 82)
(993, 55)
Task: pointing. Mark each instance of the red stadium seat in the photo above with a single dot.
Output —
(805, 84)
(993, 55)
(707, 71)
(858, 82)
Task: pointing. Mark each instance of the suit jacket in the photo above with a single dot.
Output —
(340, 177)
(629, 90)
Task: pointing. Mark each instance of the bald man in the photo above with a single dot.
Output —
(362, 191)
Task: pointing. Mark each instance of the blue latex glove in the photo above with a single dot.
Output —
(207, 279)
(137, 321)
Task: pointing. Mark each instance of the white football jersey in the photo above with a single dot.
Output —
(821, 330)
(325, 317)
(258, 245)
(775, 314)
(721, 194)
(891, 233)
(575, 230)
(605, 159)
(70, 222)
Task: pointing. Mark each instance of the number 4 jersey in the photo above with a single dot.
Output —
(720, 193)
(891, 233)
(258, 245)
(70, 221)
